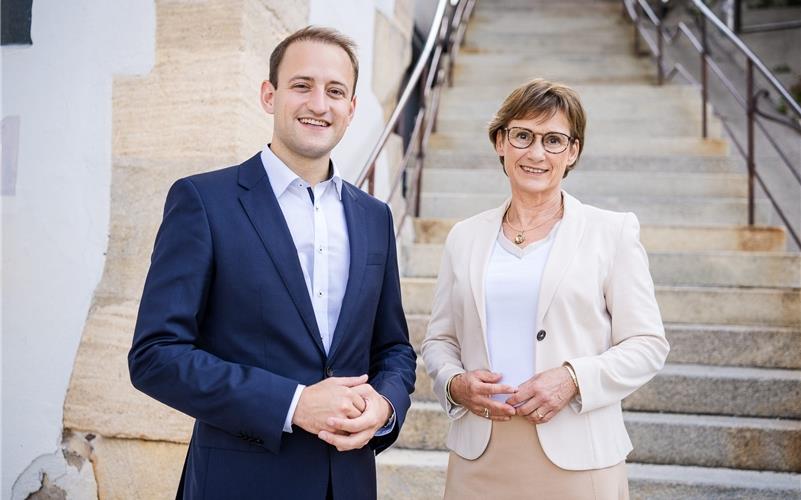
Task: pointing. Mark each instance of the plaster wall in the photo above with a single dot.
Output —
(356, 19)
(55, 226)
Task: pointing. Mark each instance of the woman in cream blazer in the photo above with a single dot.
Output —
(590, 329)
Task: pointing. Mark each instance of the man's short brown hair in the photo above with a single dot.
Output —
(541, 99)
(314, 34)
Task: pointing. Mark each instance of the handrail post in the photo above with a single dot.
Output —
(371, 180)
(660, 47)
(704, 80)
(660, 70)
(636, 29)
(750, 110)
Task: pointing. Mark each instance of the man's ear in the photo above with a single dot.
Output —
(267, 96)
(352, 110)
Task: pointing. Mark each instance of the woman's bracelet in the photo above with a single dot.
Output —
(448, 390)
(572, 373)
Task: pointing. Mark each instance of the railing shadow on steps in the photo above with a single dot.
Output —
(649, 26)
(433, 69)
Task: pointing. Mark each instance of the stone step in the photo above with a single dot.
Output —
(674, 238)
(700, 389)
(594, 183)
(601, 102)
(441, 159)
(663, 211)
(602, 145)
(661, 438)
(751, 269)
(717, 345)
(477, 69)
(420, 475)
(678, 304)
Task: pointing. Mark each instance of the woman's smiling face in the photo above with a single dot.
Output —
(533, 170)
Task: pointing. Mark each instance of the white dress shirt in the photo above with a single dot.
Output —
(316, 220)
(512, 286)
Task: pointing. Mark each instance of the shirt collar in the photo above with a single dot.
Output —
(281, 176)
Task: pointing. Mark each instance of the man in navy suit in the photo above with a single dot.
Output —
(272, 310)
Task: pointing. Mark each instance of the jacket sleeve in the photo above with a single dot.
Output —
(165, 361)
(638, 347)
(392, 358)
(441, 349)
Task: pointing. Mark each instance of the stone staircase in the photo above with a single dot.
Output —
(723, 419)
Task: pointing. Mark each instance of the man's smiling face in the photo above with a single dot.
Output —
(314, 101)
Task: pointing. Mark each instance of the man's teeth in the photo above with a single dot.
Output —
(310, 121)
(534, 170)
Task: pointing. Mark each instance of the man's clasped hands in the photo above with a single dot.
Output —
(345, 412)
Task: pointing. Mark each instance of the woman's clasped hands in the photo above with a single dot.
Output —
(538, 399)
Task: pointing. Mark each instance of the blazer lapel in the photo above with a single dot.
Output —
(564, 250)
(483, 243)
(265, 214)
(357, 238)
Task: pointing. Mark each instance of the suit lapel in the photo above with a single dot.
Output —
(357, 238)
(483, 243)
(265, 214)
(564, 250)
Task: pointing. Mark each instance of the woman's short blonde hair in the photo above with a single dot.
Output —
(541, 99)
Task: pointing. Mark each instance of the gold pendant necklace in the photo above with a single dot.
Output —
(520, 237)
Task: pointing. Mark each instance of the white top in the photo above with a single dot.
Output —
(512, 285)
(320, 232)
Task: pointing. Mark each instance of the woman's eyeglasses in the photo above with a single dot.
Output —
(552, 142)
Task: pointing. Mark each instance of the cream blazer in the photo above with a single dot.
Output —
(599, 312)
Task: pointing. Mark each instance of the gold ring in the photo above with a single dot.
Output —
(486, 412)
(537, 412)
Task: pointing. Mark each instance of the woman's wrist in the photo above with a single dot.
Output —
(448, 393)
(572, 372)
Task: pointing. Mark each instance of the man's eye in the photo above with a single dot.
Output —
(337, 92)
(300, 86)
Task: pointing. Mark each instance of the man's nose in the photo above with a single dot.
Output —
(317, 102)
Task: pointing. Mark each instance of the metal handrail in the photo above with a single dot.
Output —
(749, 103)
(445, 36)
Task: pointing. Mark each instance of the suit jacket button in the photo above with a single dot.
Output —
(329, 372)
(541, 334)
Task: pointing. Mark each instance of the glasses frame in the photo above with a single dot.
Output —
(570, 139)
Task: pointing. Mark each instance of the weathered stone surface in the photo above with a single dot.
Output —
(101, 398)
(392, 54)
(136, 469)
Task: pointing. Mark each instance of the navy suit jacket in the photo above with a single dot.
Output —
(226, 331)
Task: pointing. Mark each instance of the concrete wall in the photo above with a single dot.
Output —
(55, 224)
(97, 152)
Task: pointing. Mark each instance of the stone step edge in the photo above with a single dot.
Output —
(678, 288)
(682, 474)
(695, 370)
(689, 326)
(687, 419)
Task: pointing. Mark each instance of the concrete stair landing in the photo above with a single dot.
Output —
(723, 418)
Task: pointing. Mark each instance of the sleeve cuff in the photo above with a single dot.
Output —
(390, 425)
(291, 412)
